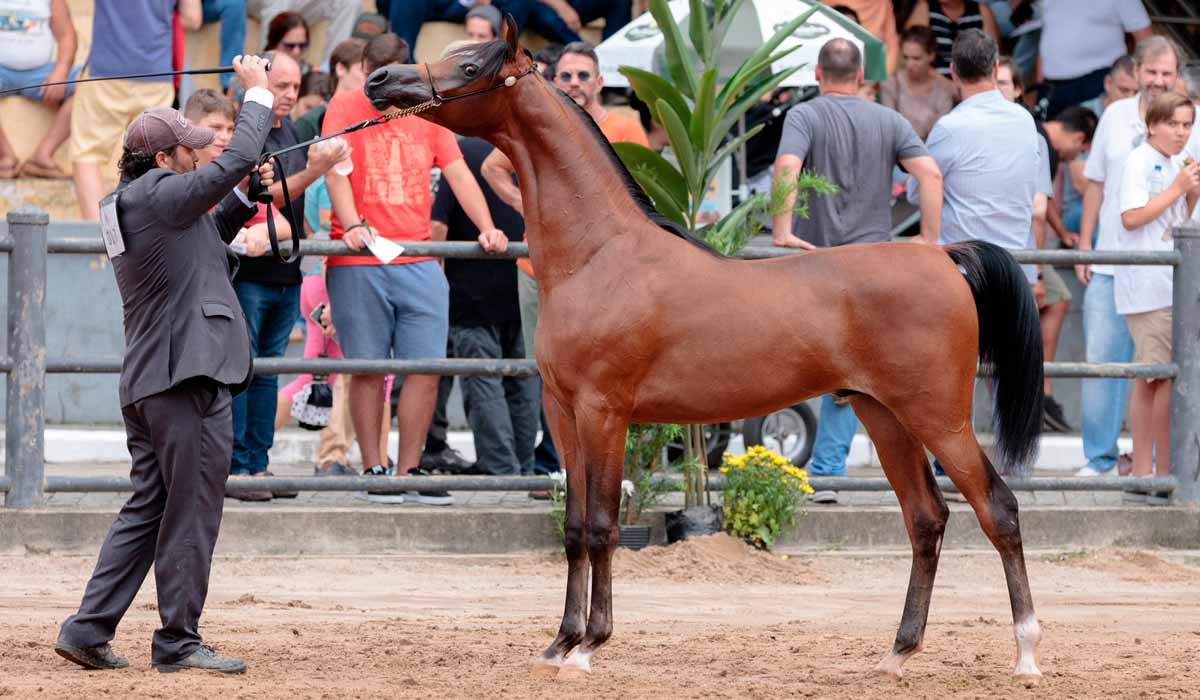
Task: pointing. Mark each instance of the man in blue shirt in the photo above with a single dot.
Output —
(987, 149)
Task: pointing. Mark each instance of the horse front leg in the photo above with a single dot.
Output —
(601, 436)
(574, 621)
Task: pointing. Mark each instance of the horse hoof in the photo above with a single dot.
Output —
(1028, 680)
(545, 668)
(891, 666)
(576, 666)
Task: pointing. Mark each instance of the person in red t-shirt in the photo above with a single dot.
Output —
(399, 309)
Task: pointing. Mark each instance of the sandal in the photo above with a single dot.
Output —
(32, 168)
(8, 170)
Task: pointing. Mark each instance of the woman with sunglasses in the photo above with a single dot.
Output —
(286, 33)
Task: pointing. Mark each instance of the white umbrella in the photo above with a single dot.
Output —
(640, 43)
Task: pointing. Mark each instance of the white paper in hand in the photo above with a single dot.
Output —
(385, 250)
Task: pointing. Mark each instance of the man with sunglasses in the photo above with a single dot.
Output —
(577, 74)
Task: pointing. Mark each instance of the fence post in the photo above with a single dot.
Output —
(1185, 348)
(26, 420)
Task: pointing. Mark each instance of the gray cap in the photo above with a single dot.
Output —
(490, 13)
(162, 129)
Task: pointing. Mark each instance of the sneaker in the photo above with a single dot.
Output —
(1158, 498)
(1052, 415)
(283, 493)
(1088, 472)
(448, 461)
(1133, 496)
(98, 658)
(825, 497)
(429, 498)
(205, 659)
(334, 469)
(376, 497)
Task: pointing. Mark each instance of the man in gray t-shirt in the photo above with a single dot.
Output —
(854, 143)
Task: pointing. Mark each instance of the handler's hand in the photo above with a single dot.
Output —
(493, 240)
(251, 71)
(791, 241)
(266, 174)
(1083, 273)
(358, 237)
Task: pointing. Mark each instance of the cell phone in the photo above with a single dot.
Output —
(315, 314)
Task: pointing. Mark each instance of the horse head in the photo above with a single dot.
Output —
(468, 71)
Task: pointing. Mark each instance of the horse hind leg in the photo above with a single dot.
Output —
(925, 516)
(996, 508)
(601, 436)
(574, 620)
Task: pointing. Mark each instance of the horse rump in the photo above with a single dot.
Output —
(1010, 345)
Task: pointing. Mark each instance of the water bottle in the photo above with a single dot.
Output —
(344, 166)
(1155, 184)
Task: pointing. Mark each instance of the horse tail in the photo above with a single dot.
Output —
(1010, 342)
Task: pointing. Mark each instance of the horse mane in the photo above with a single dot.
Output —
(631, 185)
(492, 56)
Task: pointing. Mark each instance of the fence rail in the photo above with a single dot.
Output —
(27, 365)
(112, 484)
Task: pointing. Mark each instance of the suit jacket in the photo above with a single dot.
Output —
(182, 318)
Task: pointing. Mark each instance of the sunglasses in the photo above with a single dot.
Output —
(289, 46)
(566, 75)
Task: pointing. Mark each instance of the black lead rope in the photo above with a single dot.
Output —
(132, 76)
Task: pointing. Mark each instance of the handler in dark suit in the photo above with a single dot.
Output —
(186, 353)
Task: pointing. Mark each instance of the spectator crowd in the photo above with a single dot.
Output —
(1019, 122)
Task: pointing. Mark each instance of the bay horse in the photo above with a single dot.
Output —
(639, 322)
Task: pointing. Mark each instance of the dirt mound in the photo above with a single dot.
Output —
(715, 558)
(1130, 565)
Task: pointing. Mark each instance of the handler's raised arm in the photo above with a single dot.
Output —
(187, 196)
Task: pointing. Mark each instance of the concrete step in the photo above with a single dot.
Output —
(276, 529)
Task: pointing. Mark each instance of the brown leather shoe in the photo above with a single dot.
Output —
(243, 495)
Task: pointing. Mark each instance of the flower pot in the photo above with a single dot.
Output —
(693, 522)
(634, 536)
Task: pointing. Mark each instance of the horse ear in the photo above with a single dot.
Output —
(509, 34)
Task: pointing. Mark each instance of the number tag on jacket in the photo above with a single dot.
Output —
(110, 228)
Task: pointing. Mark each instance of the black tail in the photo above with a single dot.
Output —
(1010, 341)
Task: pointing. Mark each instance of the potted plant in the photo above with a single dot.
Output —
(643, 486)
(699, 110)
(763, 492)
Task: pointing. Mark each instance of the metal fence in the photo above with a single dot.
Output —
(27, 363)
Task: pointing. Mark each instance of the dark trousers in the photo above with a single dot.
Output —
(271, 311)
(1068, 93)
(180, 441)
(502, 411)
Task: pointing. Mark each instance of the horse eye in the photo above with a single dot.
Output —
(470, 70)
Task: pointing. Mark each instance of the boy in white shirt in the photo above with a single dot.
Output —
(1157, 193)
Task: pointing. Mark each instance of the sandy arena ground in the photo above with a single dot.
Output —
(706, 619)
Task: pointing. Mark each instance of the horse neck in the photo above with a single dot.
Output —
(575, 199)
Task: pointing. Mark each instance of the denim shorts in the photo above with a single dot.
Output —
(10, 79)
(390, 311)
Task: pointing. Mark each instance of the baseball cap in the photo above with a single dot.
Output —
(162, 129)
(490, 13)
